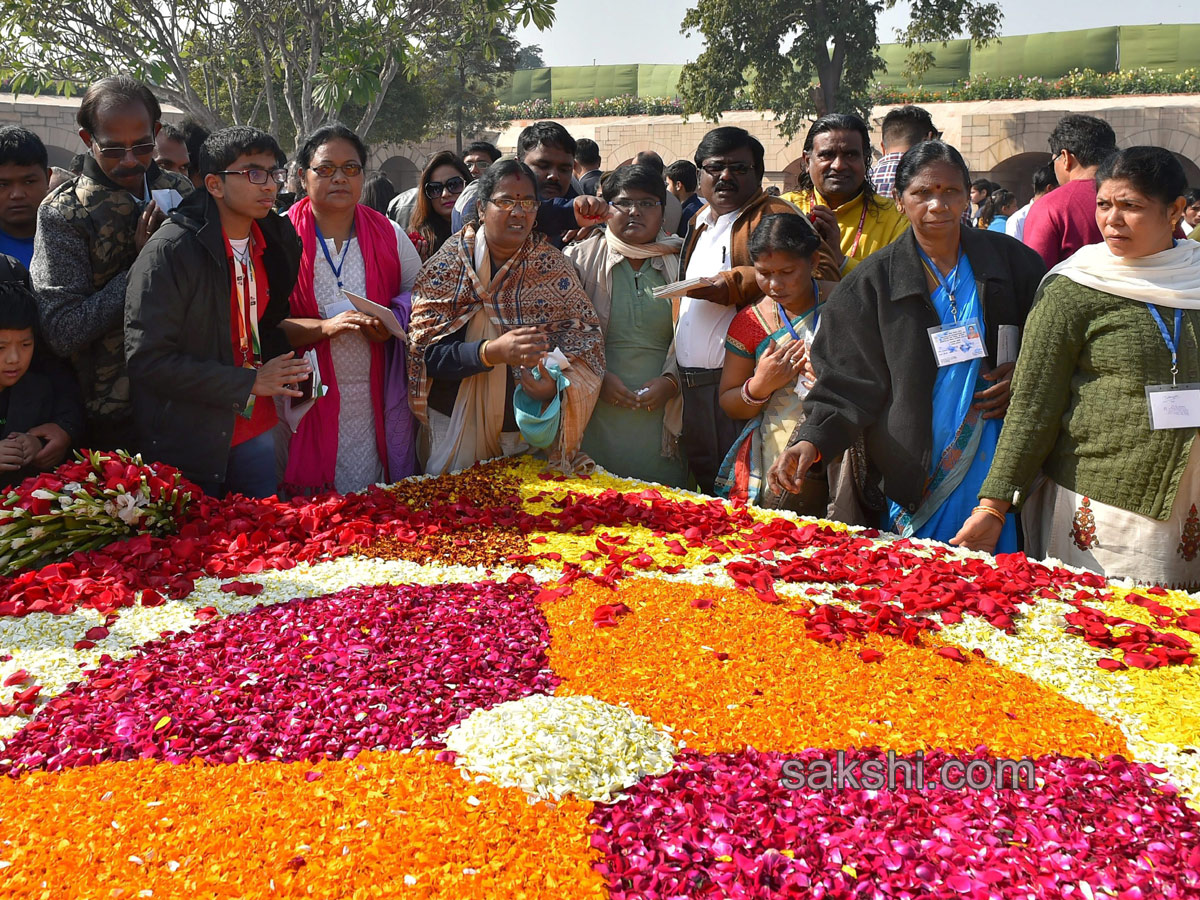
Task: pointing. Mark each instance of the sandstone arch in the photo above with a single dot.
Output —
(401, 171)
(1016, 173)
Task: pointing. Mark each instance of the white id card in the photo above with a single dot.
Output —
(957, 343)
(1174, 406)
(338, 307)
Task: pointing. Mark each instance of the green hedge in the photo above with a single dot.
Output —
(1079, 83)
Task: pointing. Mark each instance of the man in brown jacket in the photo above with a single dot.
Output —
(730, 163)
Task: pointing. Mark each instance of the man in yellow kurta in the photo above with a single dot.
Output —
(836, 195)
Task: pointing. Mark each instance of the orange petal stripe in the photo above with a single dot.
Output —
(380, 825)
(742, 672)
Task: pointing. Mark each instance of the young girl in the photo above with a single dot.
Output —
(767, 371)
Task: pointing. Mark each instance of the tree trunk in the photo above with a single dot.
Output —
(268, 81)
(390, 70)
(458, 119)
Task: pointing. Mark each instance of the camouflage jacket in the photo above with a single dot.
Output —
(83, 249)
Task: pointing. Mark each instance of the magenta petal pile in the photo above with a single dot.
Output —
(727, 826)
(366, 668)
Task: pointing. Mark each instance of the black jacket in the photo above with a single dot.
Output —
(874, 363)
(32, 401)
(185, 388)
(67, 408)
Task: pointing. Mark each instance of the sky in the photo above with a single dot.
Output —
(608, 32)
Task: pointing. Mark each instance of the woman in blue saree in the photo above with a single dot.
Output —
(915, 354)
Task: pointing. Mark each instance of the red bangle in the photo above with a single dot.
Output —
(750, 399)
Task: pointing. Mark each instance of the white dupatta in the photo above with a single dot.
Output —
(1168, 278)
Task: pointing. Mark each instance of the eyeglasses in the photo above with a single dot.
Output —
(259, 176)
(119, 152)
(628, 206)
(327, 170)
(508, 204)
(454, 185)
(716, 169)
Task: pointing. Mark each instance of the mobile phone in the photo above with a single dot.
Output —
(305, 388)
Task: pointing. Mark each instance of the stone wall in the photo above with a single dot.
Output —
(1005, 140)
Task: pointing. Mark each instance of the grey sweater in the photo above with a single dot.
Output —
(73, 315)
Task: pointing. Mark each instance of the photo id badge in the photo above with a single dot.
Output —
(957, 343)
(1174, 406)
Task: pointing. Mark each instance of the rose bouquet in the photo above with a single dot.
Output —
(83, 505)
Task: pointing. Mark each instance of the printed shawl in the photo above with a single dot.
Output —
(312, 457)
(536, 286)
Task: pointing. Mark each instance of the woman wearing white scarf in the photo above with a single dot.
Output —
(1106, 395)
(634, 429)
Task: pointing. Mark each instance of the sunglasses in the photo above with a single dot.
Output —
(119, 152)
(259, 176)
(327, 170)
(455, 185)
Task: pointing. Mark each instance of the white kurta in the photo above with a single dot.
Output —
(358, 462)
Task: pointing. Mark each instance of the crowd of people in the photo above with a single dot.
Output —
(890, 344)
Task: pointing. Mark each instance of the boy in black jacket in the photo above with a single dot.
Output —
(28, 399)
(202, 340)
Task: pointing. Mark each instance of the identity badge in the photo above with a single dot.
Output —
(338, 307)
(1174, 406)
(957, 343)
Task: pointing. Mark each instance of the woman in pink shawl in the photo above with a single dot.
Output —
(359, 432)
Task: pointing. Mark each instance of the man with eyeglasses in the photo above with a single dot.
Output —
(1065, 220)
(206, 354)
(731, 165)
(89, 231)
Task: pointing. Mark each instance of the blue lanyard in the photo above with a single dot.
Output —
(787, 320)
(947, 283)
(337, 270)
(1172, 345)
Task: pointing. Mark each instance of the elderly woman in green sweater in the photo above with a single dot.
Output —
(1106, 395)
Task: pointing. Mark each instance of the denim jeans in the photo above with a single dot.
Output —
(251, 469)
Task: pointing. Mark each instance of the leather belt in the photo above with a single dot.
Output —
(694, 378)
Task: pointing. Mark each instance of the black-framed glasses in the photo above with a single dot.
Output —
(119, 152)
(328, 170)
(455, 185)
(259, 176)
(508, 204)
(628, 206)
(717, 169)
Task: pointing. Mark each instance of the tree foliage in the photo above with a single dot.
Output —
(464, 67)
(287, 65)
(805, 57)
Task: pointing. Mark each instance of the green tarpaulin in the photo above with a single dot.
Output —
(658, 80)
(574, 83)
(527, 84)
(1047, 55)
(952, 63)
(1171, 48)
